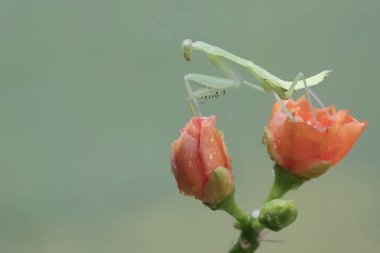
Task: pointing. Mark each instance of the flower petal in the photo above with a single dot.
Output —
(300, 142)
(345, 138)
(185, 162)
(212, 151)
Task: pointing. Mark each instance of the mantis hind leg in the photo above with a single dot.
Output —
(309, 94)
(211, 86)
(299, 77)
(307, 91)
(283, 106)
(321, 104)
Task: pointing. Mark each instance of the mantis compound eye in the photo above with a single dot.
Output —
(187, 47)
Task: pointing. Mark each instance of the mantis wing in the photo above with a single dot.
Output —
(311, 81)
(257, 71)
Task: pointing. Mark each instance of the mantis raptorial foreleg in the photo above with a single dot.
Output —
(192, 100)
(210, 86)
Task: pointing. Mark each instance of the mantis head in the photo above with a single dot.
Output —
(187, 48)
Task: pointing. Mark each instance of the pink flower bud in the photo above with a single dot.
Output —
(307, 149)
(195, 157)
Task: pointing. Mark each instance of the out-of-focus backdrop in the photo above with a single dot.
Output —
(91, 97)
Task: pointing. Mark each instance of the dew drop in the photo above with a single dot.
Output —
(255, 213)
(244, 243)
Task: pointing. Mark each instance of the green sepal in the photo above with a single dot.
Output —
(219, 188)
(314, 171)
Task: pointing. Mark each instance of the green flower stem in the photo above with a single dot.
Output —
(283, 182)
(231, 207)
(250, 227)
(247, 242)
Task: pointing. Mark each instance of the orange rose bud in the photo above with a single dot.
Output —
(305, 149)
(200, 162)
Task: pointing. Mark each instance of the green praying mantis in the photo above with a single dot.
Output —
(211, 86)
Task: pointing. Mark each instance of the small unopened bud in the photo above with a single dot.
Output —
(219, 187)
(278, 214)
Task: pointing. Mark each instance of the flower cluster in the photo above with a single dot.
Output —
(304, 143)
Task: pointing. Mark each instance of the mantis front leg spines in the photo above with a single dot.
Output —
(268, 82)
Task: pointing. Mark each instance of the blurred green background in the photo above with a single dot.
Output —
(91, 97)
